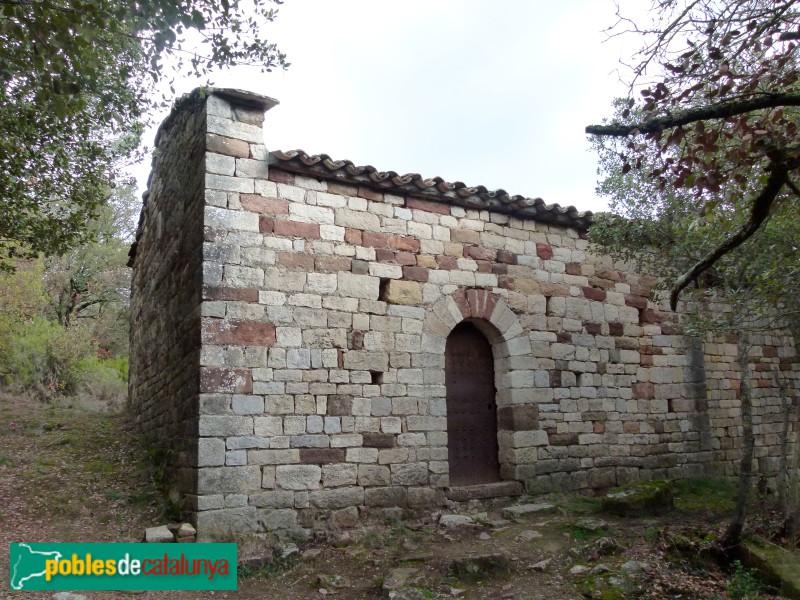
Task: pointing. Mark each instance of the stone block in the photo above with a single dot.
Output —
(379, 440)
(298, 477)
(386, 496)
(518, 417)
(223, 525)
(403, 292)
(373, 475)
(339, 405)
(320, 456)
(223, 480)
(337, 475)
(210, 452)
(337, 498)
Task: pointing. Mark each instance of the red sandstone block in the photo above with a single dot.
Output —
(234, 332)
(645, 360)
(227, 146)
(635, 301)
(643, 390)
(265, 224)
(321, 456)
(479, 253)
(616, 328)
(369, 194)
(436, 207)
(384, 255)
(484, 266)
(401, 242)
(499, 269)
(671, 329)
(481, 303)
(506, 282)
(279, 176)
(504, 256)
(460, 297)
(332, 264)
(375, 240)
(544, 251)
(611, 274)
(448, 263)
(406, 259)
(649, 315)
(768, 351)
(260, 204)
(594, 294)
(297, 229)
(592, 328)
(415, 274)
(573, 268)
(352, 236)
(379, 440)
(296, 260)
(232, 294)
(563, 337)
(598, 427)
(215, 380)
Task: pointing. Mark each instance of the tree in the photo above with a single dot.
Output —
(76, 77)
(718, 117)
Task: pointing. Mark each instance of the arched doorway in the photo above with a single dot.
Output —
(471, 407)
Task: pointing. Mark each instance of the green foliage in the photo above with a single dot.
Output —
(664, 230)
(45, 359)
(743, 583)
(75, 79)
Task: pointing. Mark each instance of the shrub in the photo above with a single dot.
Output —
(45, 358)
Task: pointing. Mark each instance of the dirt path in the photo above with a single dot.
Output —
(75, 474)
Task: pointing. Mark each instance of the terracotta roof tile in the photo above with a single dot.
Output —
(436, 189)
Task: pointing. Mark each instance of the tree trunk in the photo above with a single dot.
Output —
(733, 535)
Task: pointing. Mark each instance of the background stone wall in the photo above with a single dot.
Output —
(325, 312)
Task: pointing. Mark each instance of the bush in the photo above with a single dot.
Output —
(45, 358)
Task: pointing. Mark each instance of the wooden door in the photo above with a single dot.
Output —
(471, 407)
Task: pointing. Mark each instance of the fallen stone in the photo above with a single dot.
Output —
(525, 510)
(289, 549)
(635, 567)
(603, 546)
(407, 594)
(528, 535)
(68, 596)
(592, 525)
(400, 578)
(158, 535)
(579, 570)
(484, 536)
(476, 568)
(311, 553)
(456, 592)
(453, 521)
(541, 565)
(600, 569)
(639, 499)
(332, 582)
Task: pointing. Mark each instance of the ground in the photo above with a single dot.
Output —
(73, 472)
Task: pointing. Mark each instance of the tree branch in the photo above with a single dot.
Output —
(721, 110)
(760, 210)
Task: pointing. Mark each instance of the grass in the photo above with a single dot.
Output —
(5, 461)
(717, 496)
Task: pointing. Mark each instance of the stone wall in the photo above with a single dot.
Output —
(329, 294)
(167, 263)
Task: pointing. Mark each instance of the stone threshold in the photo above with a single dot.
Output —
(497, 489)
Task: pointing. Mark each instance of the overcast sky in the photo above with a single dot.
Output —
(488, 93)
